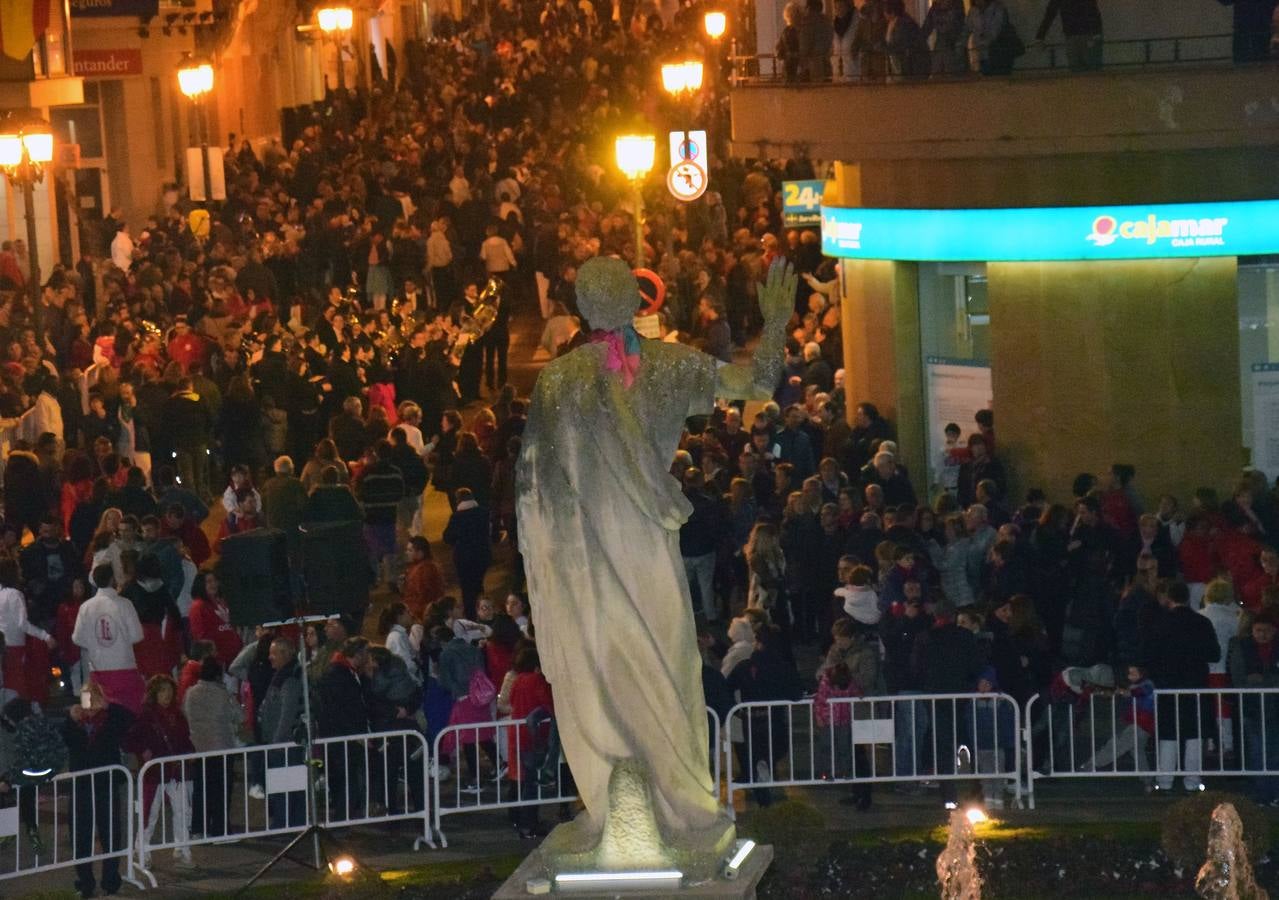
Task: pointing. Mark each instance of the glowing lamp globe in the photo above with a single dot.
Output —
(635, 155)
(10, 150)
(716, 23)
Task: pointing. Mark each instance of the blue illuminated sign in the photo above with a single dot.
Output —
(1236, 228)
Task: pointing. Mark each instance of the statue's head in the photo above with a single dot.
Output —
(607, 292)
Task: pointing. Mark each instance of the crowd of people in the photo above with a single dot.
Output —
(879, 40)
(330, 345)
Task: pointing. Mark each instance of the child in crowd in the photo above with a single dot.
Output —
(860, 601)
(531, 745)
(953, 455)
(190, 673)
(1137, 701)
(995, 737)
(834, 682)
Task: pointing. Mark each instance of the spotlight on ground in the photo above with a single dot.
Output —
(976, 815)
(342, 866)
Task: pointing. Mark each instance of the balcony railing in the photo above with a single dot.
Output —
(1043, 60)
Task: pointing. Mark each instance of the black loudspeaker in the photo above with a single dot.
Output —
(254, 575)
(336, 569)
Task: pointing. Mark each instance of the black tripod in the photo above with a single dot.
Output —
(322, 842)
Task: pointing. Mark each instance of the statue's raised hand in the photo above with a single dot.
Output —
(777, 294)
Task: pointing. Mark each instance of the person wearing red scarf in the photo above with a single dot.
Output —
(161, 731)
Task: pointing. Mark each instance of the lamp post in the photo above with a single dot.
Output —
(635, 154)
(195, 79)
(715, 23)
(26, 147)
(682, 79)
(336, 22)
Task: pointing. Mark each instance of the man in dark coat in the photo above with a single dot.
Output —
(468, 534)
(947, 660)
(188, 423)
(283, 501)
(1176, 653)
(343, 712)
(93, 736)
(1253, 24)
(49, 565)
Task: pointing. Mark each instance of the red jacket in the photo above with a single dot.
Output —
(1240, 555)
(188, 677)
(197, 543)
(211, 621)
(1198, 558)
(423, 585)
(530, 690)
(1253, 589)
(63, 626)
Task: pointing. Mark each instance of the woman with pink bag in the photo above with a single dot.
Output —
(461, 673)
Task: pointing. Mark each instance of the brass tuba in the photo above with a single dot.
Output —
(478, 319)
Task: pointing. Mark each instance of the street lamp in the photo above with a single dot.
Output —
(682, 79)
(635, 155)
(336, 22)
(26, 147)
(715, 23)
(195, 80)
(679, 78)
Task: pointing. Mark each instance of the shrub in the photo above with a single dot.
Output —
(787, 824)
(1185, 827)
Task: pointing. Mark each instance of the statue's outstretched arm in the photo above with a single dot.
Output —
(759, 380)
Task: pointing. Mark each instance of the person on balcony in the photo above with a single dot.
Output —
(945, 19)
(815, 38)
(1081, 24)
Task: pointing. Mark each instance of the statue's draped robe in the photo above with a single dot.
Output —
(610, 601)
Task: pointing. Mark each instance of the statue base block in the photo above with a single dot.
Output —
(743, 887)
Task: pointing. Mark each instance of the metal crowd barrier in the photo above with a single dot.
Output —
(463, 747)
(1187, 734)
(717, 758)
(525, 768)
(219, 796)
(898, 738)
(224, 796)
(72, 819)
(378, 777)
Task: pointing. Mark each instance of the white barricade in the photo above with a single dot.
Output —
(525, 768)
(218, 797)
(865, 740)
(73, 819)
(510, 747)
(371, 778)
(1169, 734)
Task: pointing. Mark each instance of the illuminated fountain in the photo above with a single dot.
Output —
(957, 865)
(1226, 874)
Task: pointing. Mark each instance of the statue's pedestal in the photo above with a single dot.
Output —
(742, 887)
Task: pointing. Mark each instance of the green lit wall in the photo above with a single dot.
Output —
(1097, 363)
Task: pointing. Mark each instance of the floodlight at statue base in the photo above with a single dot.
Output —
(530, 879)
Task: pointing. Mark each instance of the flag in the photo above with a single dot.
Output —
(22, 23)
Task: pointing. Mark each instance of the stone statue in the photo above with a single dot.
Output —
(599, 518)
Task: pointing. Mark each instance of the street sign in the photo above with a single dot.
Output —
(689, 146)
(686, 181)
(802, 203)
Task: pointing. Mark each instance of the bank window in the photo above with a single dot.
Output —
(954, 331)
(1258, 299)
(79, 125)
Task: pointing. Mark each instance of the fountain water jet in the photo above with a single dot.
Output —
(957, 865)
(1227, 873)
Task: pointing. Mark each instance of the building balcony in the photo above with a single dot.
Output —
(1165, 105)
